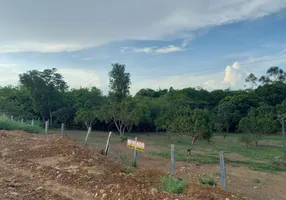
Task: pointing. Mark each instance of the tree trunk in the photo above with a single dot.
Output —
(256, 143)
(51, 117)
(193, 143)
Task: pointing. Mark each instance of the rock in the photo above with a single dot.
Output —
(104, 195)
(226, 198)
(39, 188)
(154, 191)
(59, 176)
(14, 193)
(101, 191)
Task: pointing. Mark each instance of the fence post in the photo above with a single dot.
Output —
(223, 170)
(38, 121)
(11, 117)
(135, 152)
(32, 122)
(22, 120)
(107, 144)
(46, 127)
(173, 158)
(62, 128)
(88, 132)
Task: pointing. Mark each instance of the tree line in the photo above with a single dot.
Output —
(258, 109)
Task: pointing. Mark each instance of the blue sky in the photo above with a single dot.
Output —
(186, 43)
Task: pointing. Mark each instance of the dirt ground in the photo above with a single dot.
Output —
(58, 168)
(241, 180)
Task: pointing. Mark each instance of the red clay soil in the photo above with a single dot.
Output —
(55, 167)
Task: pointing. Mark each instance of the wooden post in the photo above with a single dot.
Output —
(11, 117)
(88, 132)
(135, 152)
(22, 120)
(32, 122)
(173, 158)
(62, 128)
(46, 127)
(107, 144)
(222, 169)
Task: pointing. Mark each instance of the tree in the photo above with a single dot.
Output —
(122, 114)
(251, 78)
(201, 126)
(46, 89)
(63, 114)
(226, 114)
(119, 82)
(281, 110)
(87, 116)
(256, 126)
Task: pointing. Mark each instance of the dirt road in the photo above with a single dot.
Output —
(58, 168)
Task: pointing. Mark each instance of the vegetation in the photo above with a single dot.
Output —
(172, 184)
(207, 180)
(7, 124)
(255, 111)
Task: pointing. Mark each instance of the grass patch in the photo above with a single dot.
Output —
(128, 170)
(256, 181)
(124, 159)
(7, 124)
(172, 184)
(207, 180)
(180, 156)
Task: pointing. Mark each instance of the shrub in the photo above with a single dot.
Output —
(246, 139)
(134, 163)
(172, 184)
(207, 181)
(7, 124)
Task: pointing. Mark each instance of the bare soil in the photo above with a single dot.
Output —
(58, 168)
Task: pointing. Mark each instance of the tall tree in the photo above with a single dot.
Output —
(119, 82)
(252, 79)
(46, 88)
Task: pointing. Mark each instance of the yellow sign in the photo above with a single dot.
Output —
(135, 144)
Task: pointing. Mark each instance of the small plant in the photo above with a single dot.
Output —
(128, 170)
(172, 184)
(256, 180)
(207, 181)
(134, 163)
(102, 152)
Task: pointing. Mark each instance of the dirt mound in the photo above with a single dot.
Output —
(56, 167)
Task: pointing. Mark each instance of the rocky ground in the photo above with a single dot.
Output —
(58, 168)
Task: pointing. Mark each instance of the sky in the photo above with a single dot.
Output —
(163, 43)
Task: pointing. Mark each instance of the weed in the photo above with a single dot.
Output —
(172, 184)
(128, 170)
(134, 163)
(102, 152)
(207, 180)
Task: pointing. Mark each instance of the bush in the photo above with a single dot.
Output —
(7, 124)
(207, 181)
(246, 139)
(172, 184)
(134, 163)
(128, 170)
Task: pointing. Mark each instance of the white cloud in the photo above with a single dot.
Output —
(51, 27)
(233, 77)
(77, 78)
(9, 73)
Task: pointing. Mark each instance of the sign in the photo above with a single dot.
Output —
(135, 144)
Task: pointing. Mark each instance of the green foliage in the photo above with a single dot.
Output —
(246, 139)
(63, 114)
(7, 124)
(256, 180)
(172, 184)
(134, 163)
(119, 82)
(124, 159)
(207, 180)
(128, 170)
(87, 116)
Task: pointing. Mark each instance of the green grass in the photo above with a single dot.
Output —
(172, 184)
(128, 170)
(207, 180)
(7, 124)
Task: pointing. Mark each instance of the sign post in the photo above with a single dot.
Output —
(173, 158)
(222, 168)
(107, 144)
